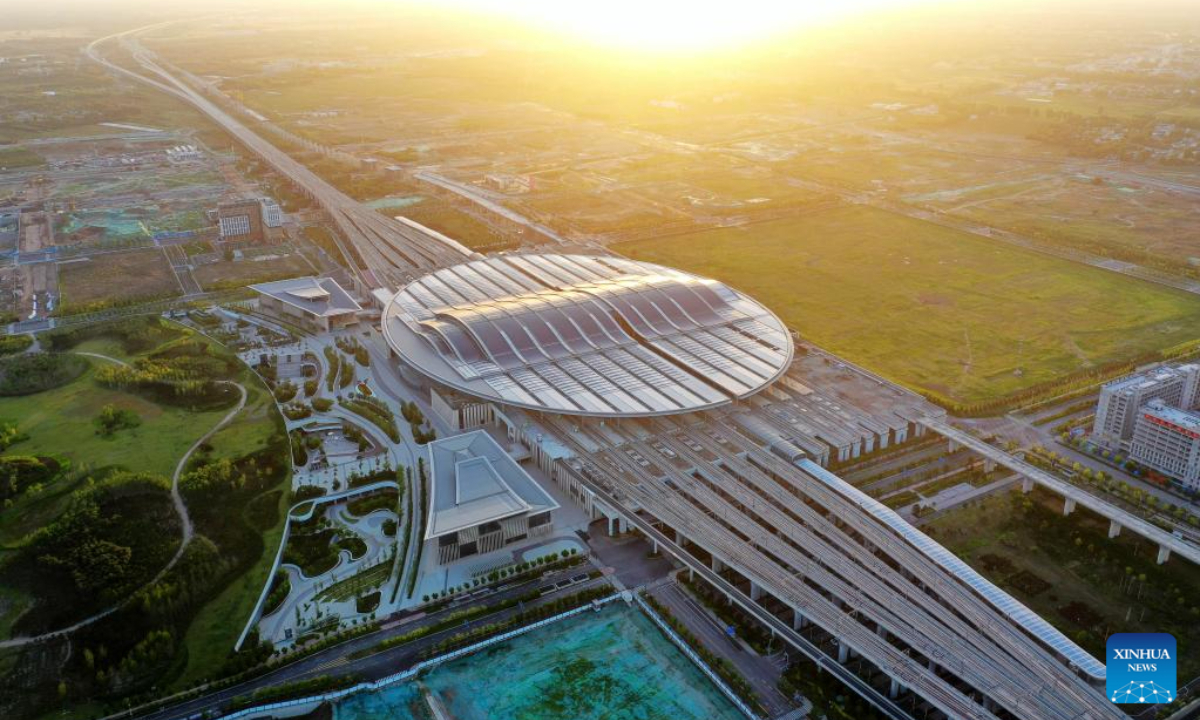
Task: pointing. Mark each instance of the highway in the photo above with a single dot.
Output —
(391, 252)
(1075, 494)
(856, 578)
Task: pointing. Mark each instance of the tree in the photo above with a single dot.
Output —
(111, 419)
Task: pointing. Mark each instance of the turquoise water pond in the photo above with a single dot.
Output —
(612, 664)
(391, 203)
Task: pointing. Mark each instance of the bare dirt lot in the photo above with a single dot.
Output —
(236, 273)
(115, 278)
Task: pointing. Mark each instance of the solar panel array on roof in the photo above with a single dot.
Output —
(586, 335)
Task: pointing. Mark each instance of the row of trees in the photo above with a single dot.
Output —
(352, 347)
(1137, 496)
(1077, 382)
(422, 432)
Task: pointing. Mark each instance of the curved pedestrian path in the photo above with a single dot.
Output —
(188, 531)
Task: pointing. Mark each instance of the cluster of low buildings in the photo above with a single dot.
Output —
(1152, 417)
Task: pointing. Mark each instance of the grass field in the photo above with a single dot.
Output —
(931, 307)
(115, 278)
(230, 274)
(1106, 218)
(13, 158)
(59, 423)
(216, 627)
(445, 218)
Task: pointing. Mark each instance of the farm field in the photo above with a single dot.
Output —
(115, 278)
(940, 310)
(451, 221)
(1104, 217)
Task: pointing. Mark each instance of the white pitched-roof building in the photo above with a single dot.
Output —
(480, 498)
(314, 303)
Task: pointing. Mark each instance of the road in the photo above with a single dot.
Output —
(1026, 434)
(336, 661)
(762, 673)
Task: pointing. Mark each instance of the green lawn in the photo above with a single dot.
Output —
(13, 158)
(931, 307)
(251, 429)
(59, 423)
(215, 629)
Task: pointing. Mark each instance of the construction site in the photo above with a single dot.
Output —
(138, 215)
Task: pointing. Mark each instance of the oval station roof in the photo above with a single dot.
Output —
(586, 335)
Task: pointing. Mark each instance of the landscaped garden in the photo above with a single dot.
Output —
(90, 445)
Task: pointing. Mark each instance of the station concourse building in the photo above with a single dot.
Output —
(317, 304)
(481, 499)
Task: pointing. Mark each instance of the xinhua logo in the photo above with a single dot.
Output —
(1140, 668)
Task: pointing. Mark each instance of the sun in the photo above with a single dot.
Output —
(671, 25)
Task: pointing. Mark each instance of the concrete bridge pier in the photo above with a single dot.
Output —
(1068, 506)
(1114, 529)
(755, 591)
(843, 652)
(951, 446)
(717, 565)
(1026, 485)
(798, 620)
(988, 465)
(893, 688)
(616, 524)
(1164, 554)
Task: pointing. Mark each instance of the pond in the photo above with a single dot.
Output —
(611, 664)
